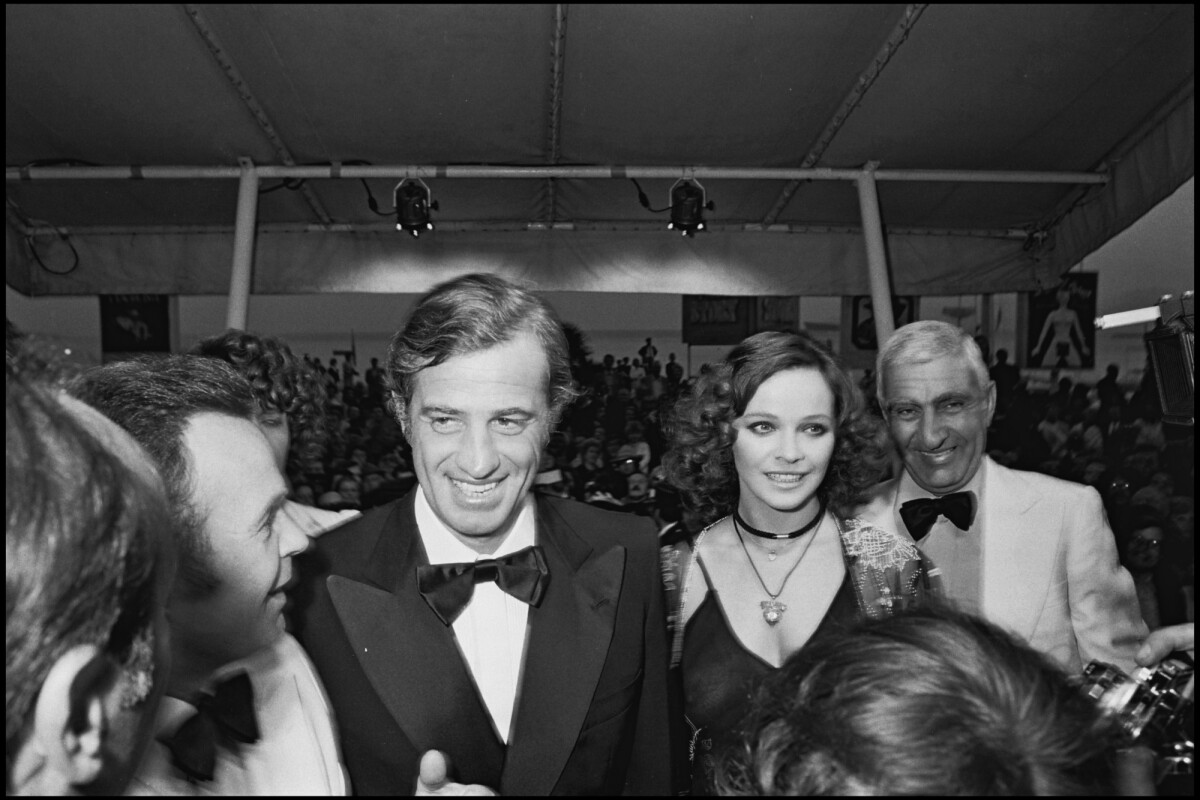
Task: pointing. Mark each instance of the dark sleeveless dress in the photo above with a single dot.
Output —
(719, 675)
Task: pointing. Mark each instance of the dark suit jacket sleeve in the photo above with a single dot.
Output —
(650, 765)
(365, 727)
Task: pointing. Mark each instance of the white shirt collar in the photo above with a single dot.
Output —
(443, 547)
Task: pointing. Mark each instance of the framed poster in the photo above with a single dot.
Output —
(776, 314)
(135, 323)
(859, 343)
(1061, 324)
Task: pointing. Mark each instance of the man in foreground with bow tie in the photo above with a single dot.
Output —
(520, 636)
(1031, 553)
(244, 713)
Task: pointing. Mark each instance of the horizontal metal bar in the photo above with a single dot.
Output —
(988, 176)
(484, 171)
(515, 226)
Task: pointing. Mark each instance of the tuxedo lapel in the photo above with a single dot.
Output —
(569, 638)
(1019, 549)
(410, 657)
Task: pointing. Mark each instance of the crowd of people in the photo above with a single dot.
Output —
(609, 447)
(494, 565)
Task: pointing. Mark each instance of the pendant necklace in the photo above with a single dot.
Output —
(773, 609)
(777, 539)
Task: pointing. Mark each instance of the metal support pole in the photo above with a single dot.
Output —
(243, 247)
(872, 224)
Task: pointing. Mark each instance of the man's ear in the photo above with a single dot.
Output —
(70, 723)
(991, 401)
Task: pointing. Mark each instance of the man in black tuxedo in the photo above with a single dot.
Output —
(521, 636)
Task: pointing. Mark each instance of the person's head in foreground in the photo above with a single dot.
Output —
(196, 418)
(930, 702)
(477, 380)
(88, 564)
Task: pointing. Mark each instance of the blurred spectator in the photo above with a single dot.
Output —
(1108, 391)
(303, 493)
(291, 403)
(635, 446)
(1159, 591)
(648, 351)
(350, 491)
(674, 372)
(1006, 377)
(89, 563)
(331, 500)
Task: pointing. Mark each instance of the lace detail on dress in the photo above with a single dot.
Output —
(878, 548)
(886, 569)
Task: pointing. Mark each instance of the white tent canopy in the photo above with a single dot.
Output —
(1010, 142)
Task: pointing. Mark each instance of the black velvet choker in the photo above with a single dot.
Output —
(796, 534)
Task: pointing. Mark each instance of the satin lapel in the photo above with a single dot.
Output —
(408, 655)
(569, 638)
(1020, 543)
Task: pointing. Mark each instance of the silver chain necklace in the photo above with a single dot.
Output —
(773, 609)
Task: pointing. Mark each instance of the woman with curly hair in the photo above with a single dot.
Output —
(768, 447)
(291, 396)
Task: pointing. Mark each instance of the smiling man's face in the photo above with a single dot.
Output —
(939, 414)
(477, 424)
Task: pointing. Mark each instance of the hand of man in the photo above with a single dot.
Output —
(434, 780)
(1164, 641)
(316, 521)
(1134, 766)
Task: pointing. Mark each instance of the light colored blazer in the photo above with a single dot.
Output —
(1050, 570)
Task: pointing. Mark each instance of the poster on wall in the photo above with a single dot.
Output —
(718, 320)
(134, 323)
(1061, 324)
(859, 343)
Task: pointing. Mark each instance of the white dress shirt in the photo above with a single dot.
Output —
(297, 754)
(491, 629)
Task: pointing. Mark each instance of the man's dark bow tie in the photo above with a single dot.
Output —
(224, 718)
(919, 515)
(449, 587)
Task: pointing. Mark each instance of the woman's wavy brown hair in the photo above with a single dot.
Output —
(701, 433)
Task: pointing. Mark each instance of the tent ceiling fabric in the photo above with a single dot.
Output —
(1095, 88)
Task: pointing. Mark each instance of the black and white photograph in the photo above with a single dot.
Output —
(502, 399)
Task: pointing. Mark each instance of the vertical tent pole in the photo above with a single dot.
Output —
(872, 224)
(243, 247)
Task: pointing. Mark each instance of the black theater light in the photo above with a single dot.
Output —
(688, 203)
(413, 204)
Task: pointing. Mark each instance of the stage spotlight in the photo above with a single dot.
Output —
(413, 204)
(688, 203)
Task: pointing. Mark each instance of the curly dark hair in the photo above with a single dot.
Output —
(701, 433)
(281, 381)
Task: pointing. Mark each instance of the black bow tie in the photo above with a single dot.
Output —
(223, 718)
(448, 587)
(919, 515)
